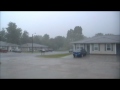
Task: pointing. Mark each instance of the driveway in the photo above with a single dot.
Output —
(27, 65)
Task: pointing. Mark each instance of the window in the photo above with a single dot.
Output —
(30, 48)
(81, 46)
(77, 47)
(96, 47)
(109, 47)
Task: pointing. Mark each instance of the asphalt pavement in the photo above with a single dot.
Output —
(27, 65)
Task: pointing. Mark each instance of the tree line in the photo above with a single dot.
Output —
(13, 34)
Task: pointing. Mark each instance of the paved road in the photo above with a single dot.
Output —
(12, 54)
(22, 65)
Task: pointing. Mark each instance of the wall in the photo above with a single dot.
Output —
(3, 47)
(79, 45)
(24, 49)
(9, 48)
(102, 50)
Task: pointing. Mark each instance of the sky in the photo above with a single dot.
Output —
(57, 23)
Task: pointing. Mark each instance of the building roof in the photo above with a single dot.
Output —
(101, 39)
(34, 45)
(7, 44)
(10, 44)
(3, 43)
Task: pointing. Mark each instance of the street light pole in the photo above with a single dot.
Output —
(0, 45)
(32, 43)
(0, 39)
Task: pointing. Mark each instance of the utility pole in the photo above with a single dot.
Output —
(32, 43)
(0, 46)
(0, 39)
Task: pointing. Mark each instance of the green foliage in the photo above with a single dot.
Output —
(99, 34)
(77, 33)
(13, 34)
(25, 37)
(109, 34)
(3, 35)
(37, 39)
(73, 35)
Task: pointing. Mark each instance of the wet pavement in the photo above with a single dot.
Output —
(27, 65)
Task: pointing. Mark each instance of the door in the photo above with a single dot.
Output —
(118, 49)
(88, 48)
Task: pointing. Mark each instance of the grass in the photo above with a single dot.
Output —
(31, 52)
(55, 55)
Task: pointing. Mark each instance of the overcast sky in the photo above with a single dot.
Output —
(57, 23)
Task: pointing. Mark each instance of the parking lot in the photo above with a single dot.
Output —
(27, 65)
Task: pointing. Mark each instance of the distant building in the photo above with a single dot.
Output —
(23, 47)
(36, 47)
(8, 46)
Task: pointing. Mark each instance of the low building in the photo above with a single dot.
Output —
(36, 47)
(8, 46)
(106, 44)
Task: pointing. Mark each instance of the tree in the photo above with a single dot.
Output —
(30, 40)
(85, 37)
(109, 34)
(25, 37)
(13, 33)
(99, 34)
(3, 35)
(67, 44)
(37, 39)
(52, 43)
(59, 42)
(45, 39)
(78, 33)
(73, 35)
(70, 35)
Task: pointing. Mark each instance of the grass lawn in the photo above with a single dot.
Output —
(54, 55)
(33, 52)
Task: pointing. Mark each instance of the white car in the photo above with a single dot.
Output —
(17, 50)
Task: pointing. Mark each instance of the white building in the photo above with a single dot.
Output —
(106, 44)
(8, 46)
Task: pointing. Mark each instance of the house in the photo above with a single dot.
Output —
(8, 46)
(106, 44)
(36, 47)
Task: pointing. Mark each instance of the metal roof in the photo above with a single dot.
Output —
(34, 45)
(7, 44)
(101, 39)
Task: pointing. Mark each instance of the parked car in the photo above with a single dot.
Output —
(17, 51)
(42, 50)
(71, 50)
(79, 53)
(50, 50)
